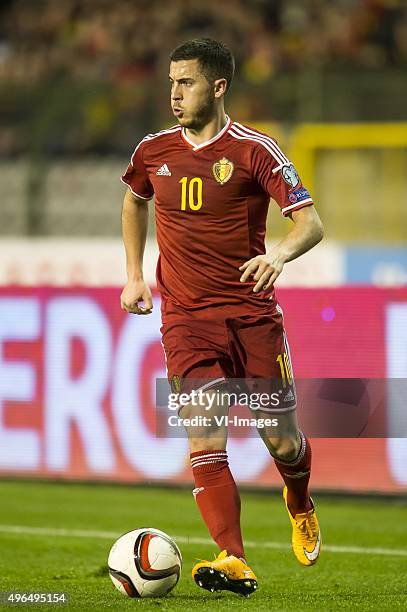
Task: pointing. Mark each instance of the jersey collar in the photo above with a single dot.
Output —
(203, 145)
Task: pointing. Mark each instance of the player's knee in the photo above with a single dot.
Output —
(206, 444)
(286, 448)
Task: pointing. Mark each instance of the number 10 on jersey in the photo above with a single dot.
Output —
(191, 193)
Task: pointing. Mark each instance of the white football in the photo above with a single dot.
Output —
(145, 563)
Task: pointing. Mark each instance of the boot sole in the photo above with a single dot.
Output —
(213, 580)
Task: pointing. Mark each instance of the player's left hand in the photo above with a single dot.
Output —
(265, 270)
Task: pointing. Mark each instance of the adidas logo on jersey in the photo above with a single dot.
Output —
(289, 397)
(163, 171)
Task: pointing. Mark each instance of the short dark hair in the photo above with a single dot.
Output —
(215, 59)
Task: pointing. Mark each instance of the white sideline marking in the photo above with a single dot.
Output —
(113, 535)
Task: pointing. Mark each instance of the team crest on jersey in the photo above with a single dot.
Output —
(289, 174)
(222, 170)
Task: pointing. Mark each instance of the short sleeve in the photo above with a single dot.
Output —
(136, 176)
(278, 177)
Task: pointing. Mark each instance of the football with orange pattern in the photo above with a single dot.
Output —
(145, 563)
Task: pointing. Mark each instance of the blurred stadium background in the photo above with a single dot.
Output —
(80, 83)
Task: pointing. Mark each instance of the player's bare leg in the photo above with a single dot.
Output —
(218, 499)
(291, 451)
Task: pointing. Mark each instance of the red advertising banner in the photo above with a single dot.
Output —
(77, 386)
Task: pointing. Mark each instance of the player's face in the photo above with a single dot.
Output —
(192, 96)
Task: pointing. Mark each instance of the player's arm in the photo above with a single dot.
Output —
(306, 233)
(134, 230)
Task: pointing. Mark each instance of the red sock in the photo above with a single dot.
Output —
(218, 499)
(296, 476)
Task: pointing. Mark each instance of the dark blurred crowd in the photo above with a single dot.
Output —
(124, 39)
(96, 65)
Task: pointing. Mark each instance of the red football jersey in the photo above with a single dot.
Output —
(211, 203)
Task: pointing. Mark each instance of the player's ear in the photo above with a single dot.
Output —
(220, 87)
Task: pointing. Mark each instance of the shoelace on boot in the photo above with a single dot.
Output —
(307, 527)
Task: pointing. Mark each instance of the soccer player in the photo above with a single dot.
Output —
(212, 179)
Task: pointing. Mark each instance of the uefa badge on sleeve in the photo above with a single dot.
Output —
(290, 175)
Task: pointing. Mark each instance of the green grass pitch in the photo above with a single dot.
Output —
(57, 555)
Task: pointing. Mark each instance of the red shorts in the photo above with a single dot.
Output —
(202, 353)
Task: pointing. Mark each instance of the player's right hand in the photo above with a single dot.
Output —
(133, 293)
